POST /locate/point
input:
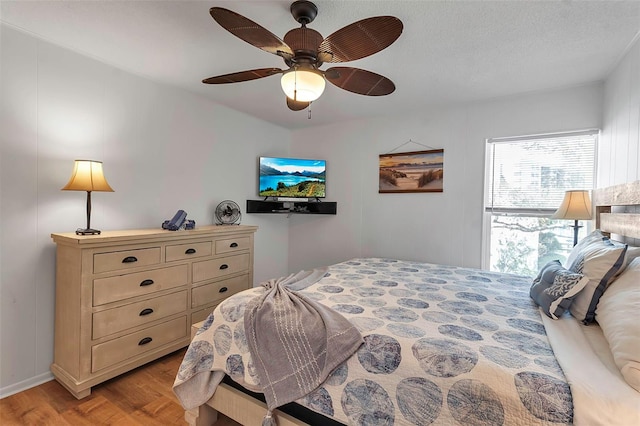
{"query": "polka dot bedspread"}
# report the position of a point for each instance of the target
(443, 345)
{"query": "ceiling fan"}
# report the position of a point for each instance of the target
(304, 50)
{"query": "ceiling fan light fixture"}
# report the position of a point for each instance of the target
(303, 85)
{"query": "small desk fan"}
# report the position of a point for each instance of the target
(228, 213)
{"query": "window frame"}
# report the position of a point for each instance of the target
(488, 213)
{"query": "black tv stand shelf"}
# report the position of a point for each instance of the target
(289, 207)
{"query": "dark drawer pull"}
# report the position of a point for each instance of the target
(223, 289)
(129, 259)
(233, 245)
(190, 251)
(224, 266)
(146, 311)
(146, 283)
(145, 341)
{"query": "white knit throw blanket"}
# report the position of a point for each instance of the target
(295, 342)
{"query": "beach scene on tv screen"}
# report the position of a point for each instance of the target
(292, 177)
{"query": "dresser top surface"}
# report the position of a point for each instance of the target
(70, 238)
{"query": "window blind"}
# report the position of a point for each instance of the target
(529, 175)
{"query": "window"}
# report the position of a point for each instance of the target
(526, 178)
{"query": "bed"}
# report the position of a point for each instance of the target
(450, 345)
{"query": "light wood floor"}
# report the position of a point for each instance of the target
(140, 397)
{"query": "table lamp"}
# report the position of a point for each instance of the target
(87, 176)
(576, 206)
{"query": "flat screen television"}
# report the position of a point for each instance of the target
(292, 177)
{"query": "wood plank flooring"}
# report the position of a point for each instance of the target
(140, 397)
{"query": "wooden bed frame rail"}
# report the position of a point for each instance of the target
(236, 405)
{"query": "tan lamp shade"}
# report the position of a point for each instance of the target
(87, 175)
(576, 206)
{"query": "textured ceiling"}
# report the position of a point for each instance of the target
(449, 51)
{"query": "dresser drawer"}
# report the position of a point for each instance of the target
(118, 319)
(118, 260)
(106, 290)
(215, 268)
(114, 351)
(187, 251)
(220, 290)
(201, 315)
(232, 244)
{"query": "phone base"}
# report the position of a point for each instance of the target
(89, 231)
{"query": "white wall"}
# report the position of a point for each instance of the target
(434, 227)
(163, 149)
(619, 152)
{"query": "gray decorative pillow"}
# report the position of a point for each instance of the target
(555, 287)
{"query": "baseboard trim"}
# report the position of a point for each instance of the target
(26, 384)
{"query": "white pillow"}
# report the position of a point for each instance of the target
(600, 261)
(618, 314)
(594, 237)
(632, 253)
(597, 237)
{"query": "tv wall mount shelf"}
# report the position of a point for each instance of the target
(292, 207)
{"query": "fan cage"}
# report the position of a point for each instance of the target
(228, 213)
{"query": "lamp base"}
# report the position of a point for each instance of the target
(88, 231)
(575, 227)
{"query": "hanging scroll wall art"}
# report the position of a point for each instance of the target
(417, 171)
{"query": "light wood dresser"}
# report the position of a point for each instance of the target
(124, 298)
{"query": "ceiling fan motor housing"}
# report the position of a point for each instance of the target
(304, 42)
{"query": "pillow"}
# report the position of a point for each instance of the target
(600, 261)
(631, 253)
(598, 237)
(595, 237)
(618, 315)
(555, 287)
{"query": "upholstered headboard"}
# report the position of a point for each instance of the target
(617, 210)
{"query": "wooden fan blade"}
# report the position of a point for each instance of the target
(251, 32)
(360, 39)
(360, 81)
(296, 105)
(237, 77)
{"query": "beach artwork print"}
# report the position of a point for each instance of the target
(418, 171)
